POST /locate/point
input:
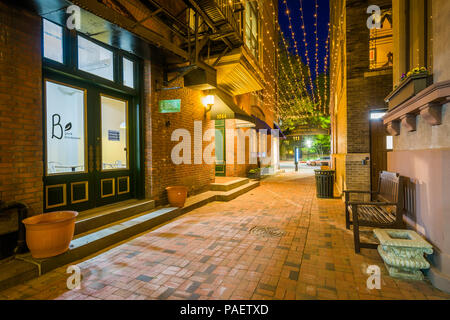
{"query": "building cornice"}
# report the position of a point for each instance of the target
(427, 103)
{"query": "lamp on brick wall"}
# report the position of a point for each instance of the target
(208, 102)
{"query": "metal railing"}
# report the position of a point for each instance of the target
(228, 10)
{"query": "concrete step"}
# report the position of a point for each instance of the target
(97, 217)
(229, 185)
(13, 272)
(234, 193)
(97, 239)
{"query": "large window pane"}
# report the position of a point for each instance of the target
(380, 43)
(95, 59)
(220, 145)
(128, 73)
(53, 41)
(251, 29)
(114, 133)
(65, 128)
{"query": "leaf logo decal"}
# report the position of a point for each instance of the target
(68, 126)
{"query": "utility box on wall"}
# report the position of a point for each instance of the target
(201, 79)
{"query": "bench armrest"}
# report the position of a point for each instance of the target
(372, 203)
(348, 192)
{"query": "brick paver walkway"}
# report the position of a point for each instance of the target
(220, 251)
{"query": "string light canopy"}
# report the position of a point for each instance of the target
(288, 91)
(319, 95)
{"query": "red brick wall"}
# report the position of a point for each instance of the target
(21, 165)
(160, 171)
(233, 168)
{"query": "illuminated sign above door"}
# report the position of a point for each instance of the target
(169, 106)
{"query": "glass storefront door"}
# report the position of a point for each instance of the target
(220, 167)
(88, 153)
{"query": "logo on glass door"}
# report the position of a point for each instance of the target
(57, 128)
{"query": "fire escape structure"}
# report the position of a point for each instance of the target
(201, 40)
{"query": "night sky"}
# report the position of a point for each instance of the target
(323, 17)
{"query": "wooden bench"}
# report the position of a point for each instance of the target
(384, 211)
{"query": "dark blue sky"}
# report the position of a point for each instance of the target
(323, 17)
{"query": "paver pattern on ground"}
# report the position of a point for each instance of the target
(298, 249)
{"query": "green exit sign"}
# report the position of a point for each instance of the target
(169, 106)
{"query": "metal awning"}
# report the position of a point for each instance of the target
(261, 125)
(280, 134)
(225, 108)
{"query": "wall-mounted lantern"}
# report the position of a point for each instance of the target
(208, 102)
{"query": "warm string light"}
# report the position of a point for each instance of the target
(283, 93)
(268, 83)
(294, 74)
(336, 38)
(325, 70)
(305, 42)
(280, 98)
(303, 86)
(316, 6)
(297, 54)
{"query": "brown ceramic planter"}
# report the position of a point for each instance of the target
(177, 195)
(49, 234)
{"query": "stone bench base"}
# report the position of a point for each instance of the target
(402, 252)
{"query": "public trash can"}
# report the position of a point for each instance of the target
(324, 183)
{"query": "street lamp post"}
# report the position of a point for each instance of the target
(296, 157)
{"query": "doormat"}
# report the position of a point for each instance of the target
(267, 232)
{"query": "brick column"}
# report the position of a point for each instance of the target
(21, 129)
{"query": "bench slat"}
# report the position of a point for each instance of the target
(374, 214)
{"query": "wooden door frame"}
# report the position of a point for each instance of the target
(69, 71)
(135, 145)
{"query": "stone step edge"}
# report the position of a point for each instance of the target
(234, 193)
(228, 186)
(91, 222)
(23, 272)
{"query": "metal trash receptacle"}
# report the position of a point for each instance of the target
(324, 183)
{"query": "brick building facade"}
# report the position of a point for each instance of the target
(156, 46)
(357, 89)
(160, 171)
(21, 142)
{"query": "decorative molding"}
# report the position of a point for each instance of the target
(437, 94)
(393, 128)
(432, 113)
(409, 122)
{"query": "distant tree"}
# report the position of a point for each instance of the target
(321, 144)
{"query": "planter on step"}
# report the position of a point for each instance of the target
(49, 234)
(177, 195)
(254, 175)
